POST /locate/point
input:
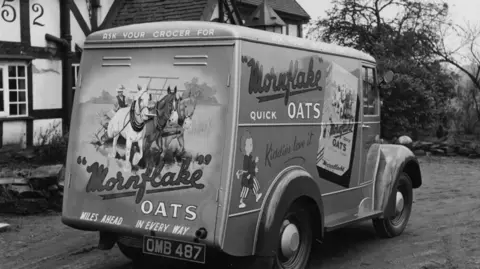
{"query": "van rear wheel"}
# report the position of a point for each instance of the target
(132, 253)
(395, 225)
(296, 239)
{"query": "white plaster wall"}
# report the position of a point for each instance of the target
(214, 14)
(10, 21)
(47, 84)
(44, 18)
(293, 29)
(105, 6)
(15, 133)
(46, 129)
(78, 37)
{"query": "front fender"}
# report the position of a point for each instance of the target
(292, 183)
(393, 160)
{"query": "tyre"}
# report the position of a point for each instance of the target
(132, 253)
(394, 226)
(296, 238)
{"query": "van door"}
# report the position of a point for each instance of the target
(146, 147)
(370, 118)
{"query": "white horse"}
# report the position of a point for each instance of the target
(129, 122)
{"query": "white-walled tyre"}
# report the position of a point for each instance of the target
(296, 238)
(395, 225)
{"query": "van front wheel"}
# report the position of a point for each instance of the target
(296, 239)
(395, 225)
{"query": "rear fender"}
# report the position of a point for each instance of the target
(291, 184)
(393, 160)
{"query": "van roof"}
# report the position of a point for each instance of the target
(202, 30)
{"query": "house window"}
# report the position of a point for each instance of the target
(274, 29)
(75, 69)
(370, 92)
(292, 29)
(13, 90)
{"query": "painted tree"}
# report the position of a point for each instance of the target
(395, 33)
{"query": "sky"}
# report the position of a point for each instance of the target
(461, 11)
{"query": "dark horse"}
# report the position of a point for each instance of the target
(175, 129)
(163, 112)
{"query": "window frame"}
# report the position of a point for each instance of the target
(6, 89)
(76, 74)
(374, 85)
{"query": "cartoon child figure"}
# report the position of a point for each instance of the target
(248, 173)
(121, 102)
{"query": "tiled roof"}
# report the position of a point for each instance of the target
(140, 11)
(286, 6)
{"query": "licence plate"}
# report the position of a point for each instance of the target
(180, 250)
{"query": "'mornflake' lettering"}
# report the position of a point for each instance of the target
(137, 185)
(339, 130)
(334, 166)
(291, 82)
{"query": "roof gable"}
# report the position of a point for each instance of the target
(141, 11)
(285, 6)
(264, 15)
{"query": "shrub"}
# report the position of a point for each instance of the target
(51, 145)
(463, 111)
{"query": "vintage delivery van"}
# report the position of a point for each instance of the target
(194, 138)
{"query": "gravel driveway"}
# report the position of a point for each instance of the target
(444, 232)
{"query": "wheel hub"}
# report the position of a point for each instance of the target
(290, 240)
(400, 204)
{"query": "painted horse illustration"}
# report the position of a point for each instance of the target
(129, 122)
(164, 111)
(176, 126)
(339, 101)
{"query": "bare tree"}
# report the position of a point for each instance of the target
(465, 57)
(365, 25)
(394, 32)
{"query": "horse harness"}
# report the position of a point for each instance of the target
(163, 116)
(181, 121)
(136, 126)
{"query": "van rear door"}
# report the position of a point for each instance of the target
(171, 192)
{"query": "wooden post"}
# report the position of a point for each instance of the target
(67, 98)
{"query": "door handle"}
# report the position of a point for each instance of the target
(365, 126)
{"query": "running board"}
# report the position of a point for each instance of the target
(341, 224)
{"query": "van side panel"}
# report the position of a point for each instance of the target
(168, 189)
(297, 108)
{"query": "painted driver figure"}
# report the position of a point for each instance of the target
(121, 102)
